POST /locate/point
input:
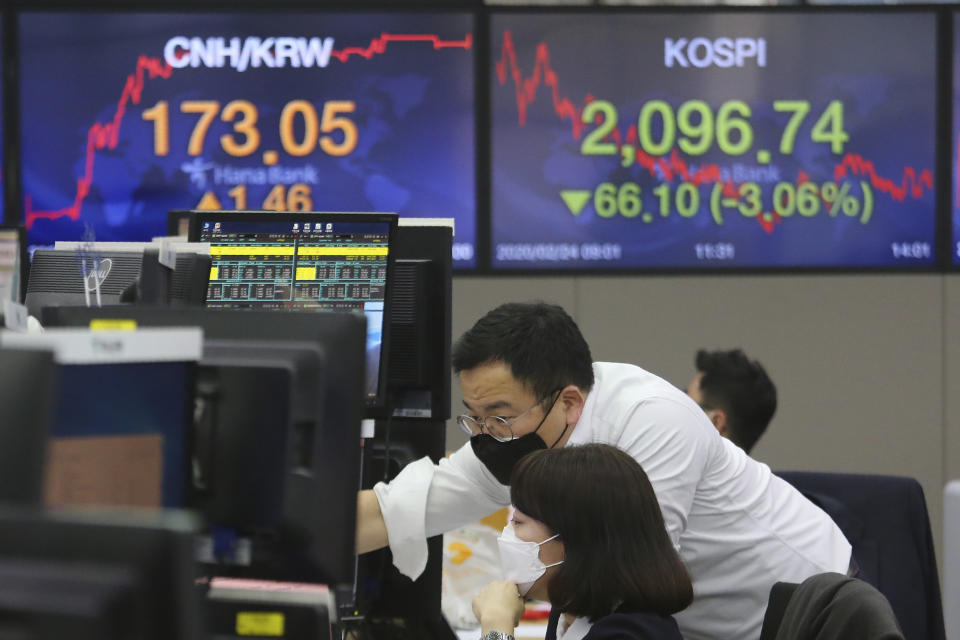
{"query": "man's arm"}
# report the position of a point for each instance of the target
(422, 501)
(371, 529)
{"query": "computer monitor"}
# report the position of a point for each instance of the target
(337, 444)
(419, 388)
(306, 262)
(420, 319)
(27, 392)
(13, 263)
(122, 415)
(96, 276)
(97, 577)
(260, 407)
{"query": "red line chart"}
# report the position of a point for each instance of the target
(103, 136)
(379, 45)
(527, 87)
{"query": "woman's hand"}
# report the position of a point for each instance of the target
(498, 607)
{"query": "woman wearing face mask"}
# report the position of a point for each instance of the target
(588, 536)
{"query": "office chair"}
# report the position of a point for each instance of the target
(885, 519)
(951, 557)
(828, 606)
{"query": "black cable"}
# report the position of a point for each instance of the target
(386, 442)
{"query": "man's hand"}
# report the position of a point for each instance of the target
(371, 530)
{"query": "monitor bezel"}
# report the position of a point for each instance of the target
(374, 406)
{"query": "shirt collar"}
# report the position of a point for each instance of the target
(576, 631)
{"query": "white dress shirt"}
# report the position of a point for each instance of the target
(738, 527)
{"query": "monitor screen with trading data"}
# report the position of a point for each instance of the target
(304, 262)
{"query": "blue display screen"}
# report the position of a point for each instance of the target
(955, 143)
(2, 172)
(713, 140)
(126, 116)
(132, 399)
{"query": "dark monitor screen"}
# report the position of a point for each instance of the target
(713, 139)
(305, 262)
(126, 115)
(98, 576)
(27, 391)
(260, 411)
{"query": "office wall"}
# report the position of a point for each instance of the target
(951, 382)
(866, 365)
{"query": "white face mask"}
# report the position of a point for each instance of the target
(520, 560)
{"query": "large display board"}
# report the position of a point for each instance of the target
(955, 145)
(3, 173)
(713, 140)
(125, 116)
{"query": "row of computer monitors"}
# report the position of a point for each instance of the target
(396, 276)
(250, 420)
(557, 140)
(248, 412)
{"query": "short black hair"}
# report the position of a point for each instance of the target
(742, 389)
(600, 503)
(540, 343)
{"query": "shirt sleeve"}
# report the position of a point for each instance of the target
(425, 500)
(671, 443)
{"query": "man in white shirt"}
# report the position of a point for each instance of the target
(529, 382)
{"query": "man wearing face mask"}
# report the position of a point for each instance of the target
(529, 383)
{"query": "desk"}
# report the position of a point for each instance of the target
(261, 608)
(526, 631)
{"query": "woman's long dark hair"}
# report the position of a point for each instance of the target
(600, 502)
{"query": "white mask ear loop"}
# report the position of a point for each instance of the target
(547, 566)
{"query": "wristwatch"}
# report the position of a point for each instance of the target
(496, 635)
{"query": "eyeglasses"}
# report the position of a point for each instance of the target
(498, 427)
